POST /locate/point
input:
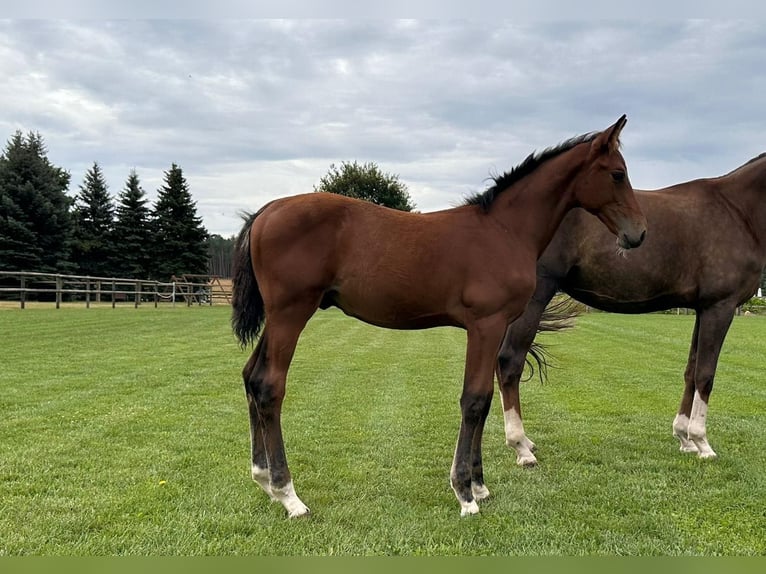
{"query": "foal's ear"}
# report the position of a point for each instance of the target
(609, 139)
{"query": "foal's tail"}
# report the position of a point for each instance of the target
(559, 315)
(248, 312)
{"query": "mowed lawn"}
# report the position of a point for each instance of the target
(125, 431)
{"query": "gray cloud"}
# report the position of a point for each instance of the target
(256, 109)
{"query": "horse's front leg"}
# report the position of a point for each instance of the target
(714, 323)
(681, 420)
(466, 475)
(510, 366)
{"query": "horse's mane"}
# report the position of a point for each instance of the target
(755, 159)
(484, 199)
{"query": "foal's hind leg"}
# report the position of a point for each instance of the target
(259, 462)
(268, 391)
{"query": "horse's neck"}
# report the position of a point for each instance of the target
(537, 204)
(746, 192)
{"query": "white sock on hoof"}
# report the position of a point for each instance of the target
(290, 500)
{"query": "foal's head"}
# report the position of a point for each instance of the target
(603, 188)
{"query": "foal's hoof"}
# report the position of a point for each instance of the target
(527, 461)
(708, 455)
(468, 508)
(299, 512)
(479, 491)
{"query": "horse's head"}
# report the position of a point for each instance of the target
(603, 188)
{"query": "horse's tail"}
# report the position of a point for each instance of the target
(558, 316)
(248, 312)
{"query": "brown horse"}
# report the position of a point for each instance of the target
(706, 252)
(472, 267)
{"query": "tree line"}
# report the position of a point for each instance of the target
(44, 229)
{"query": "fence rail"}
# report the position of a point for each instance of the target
(23, 286)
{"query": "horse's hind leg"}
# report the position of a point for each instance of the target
(259, 462)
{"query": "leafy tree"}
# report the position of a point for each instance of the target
(366, 182)
(35, 223)
(180, 245)
(93, 248)
(132, 231)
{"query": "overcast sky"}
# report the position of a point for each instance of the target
(257, 109)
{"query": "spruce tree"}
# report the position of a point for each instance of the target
(180, 238)
(35, 223)
(93, 249)
(132, 232)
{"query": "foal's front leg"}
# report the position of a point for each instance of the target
(478, 488)
(466, 476)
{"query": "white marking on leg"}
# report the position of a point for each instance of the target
(263, 477)
(286, 495)
(681, 432)
(479, 491)
(697, 427)
(516, 439)
(468, 508)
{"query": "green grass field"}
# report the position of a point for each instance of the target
(125, 432)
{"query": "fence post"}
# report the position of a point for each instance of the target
(138, 293)
(114, 297)
(156, 293)
(87, 293)
(58, 291)
(23, 294)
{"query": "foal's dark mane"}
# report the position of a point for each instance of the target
(484, 199)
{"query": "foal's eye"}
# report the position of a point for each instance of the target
(618, 176)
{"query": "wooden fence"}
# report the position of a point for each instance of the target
(58, 288)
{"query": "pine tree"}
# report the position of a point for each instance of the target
(180, 238)
(132, 232)
(93, 248)
(35, 223)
